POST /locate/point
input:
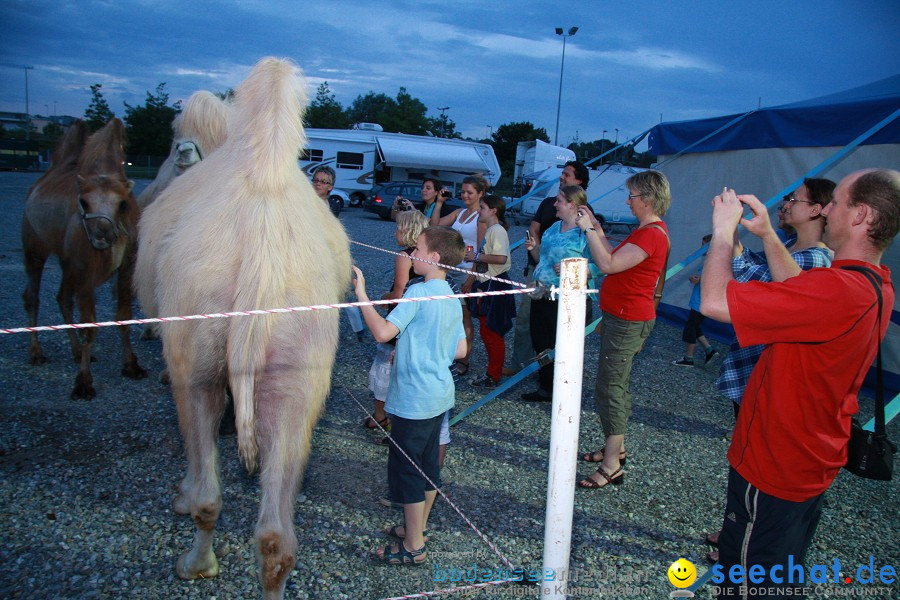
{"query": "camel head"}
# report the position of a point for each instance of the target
(106, 207)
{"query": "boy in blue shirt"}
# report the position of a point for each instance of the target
(430, 337)
(692, 332)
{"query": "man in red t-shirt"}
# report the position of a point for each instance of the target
(822, 330)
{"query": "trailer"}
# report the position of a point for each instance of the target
(606, 194)
(534, 157)
(365, 157)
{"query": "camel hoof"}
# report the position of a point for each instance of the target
(133, 371)
(149, 333)
(164, 377)
(83, 391)
(205, 567)
(40, 359)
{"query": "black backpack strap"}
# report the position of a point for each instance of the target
(876, 282)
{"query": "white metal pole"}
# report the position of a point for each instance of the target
(565, 419)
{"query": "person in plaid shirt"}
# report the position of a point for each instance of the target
(802, 211)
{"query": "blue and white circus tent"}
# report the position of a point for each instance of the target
(766, 152)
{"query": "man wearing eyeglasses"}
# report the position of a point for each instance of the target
(792, 431)
(323, 183)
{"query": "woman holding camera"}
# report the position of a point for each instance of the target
(465, 221)
(561, 240)
(431, 191)
(632, 269)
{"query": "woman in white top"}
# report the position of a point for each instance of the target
(465, 221)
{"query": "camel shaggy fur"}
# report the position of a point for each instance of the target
(243, 229)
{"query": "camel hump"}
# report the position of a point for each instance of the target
(104, 151)
(274, 92)
(70, 145)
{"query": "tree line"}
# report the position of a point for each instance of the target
(149, 126)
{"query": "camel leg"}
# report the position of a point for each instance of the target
(34, 268)
(130, 367)
(84, 381)
(199, 411)
(285, 418)
(65, 298)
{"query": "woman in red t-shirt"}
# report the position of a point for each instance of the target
(632, 270)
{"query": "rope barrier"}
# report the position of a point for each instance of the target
(248, 313)
(443, 266)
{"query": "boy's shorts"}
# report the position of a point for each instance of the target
(419, 439)
(444, 437)
(692, 330)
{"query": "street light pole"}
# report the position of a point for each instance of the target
(603, 142)
(616, 152)
(562, 66)
(443, 118)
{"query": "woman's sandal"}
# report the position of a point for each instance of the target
(597, 457)
(462, 367)
(392, 531)
(370, 423)
(713, 538)
(617, 477)
(402, 556)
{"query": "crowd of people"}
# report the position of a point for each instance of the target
(785, 367)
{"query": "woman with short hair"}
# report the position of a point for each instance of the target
(627, 301)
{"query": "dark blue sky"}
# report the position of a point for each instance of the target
(490, 62)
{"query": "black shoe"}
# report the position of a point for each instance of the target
(711, 356)
(486, 382)
(684, 362)
(536, 397)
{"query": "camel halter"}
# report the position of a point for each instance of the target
(86, 216)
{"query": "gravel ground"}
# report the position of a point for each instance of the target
(86, 487)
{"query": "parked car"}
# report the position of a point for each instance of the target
(381, 198)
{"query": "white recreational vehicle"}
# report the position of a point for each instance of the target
(606, 193)
(365, 156)
(534, 157)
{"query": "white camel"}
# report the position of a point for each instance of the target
(243, 229)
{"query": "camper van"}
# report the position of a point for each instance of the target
(366, 156)
(606, 193)
(534, 157)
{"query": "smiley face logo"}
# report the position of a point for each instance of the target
(682, 573)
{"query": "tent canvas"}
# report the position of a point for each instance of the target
(762, 154)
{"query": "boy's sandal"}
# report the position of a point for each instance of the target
(402, 556)
(462, 368)
(713, 538)
(597, 457)
(370, 423)
(617, 477)
(392, 531)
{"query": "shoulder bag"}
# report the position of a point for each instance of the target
(871, 454)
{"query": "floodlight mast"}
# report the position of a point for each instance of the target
(559, 31)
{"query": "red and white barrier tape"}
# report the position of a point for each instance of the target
(446, 267)
(247, 313)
